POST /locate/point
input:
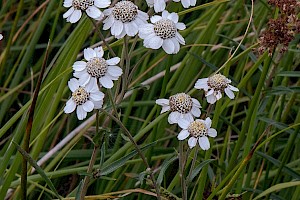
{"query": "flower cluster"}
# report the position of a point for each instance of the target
(125, 18)
(183, 108)
(93, 73)
(281, 31)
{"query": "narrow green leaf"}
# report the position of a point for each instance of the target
(197, 170)
(285, 169)
(278, 187)
(164, 167)
(77, 197)
(289, 73)
(37, 167)
(120, 162)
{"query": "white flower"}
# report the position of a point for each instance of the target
(1, 36)
(182, 106)
(124, 18)
(97, 67)
(214, 86)
(160, 5)
(198, 130)
(91, 7)
(84, 98)
(187, 3)
(163, 33)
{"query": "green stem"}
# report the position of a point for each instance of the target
(181, 171)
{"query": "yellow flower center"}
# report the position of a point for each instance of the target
(181, 102)
(125, 11)
(197, 129)
(218, 82)
(80, 96)
(97, 67)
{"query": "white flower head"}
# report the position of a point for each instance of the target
(187, 3)
(199, 130)
(163, 33)
(124, 18)
(91, 7)
(1, 36)
(214, 86)
(160, 5)
(182, 106)
(97, 67)
(84, 98)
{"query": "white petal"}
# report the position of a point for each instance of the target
(180, 39)
(207, 122)
(196, 103)
(155, 18)
(180, 26)
(193, 2)
(233, 88)
(173, 117)
(73, 84)
(113, 61)
(211, 99)
(176, 44)
(196, 111)
(81, 113)
(78, 74)
(162, 102)
(212, 132)
(75, 16)
(183, 135)
(108, 22)
(67, 3)
(168, 46)
(88, 106)
(102, 3)
(202, 84)
(173, 16)
(165, 109)
(184, 124)
(107, 11)
(89, 54)
(210, 92)
(117, 28)
(150, 3)
(106, 82)
(218, 95)
(99, 52)
(204, 143)
(70, 106)
(98, 104)
(229, 93)
(91, 85)
(165, 14)
(79, 65)
(115, 71)
(185, 3)
(155, 42)
(131, 28)
(142, 15)
(93, 12)
(84, 79)
(146, 30)
(68, 13)
(192, 142)
(159, 5)
(122, 34)
(97, 96)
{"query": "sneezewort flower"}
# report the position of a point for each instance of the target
(85, 99)
(97, 67)
(214, 86)
(199, 130)
(160, 5)
(124, 18)
(163, 33)
(182, 106)
(91, 7)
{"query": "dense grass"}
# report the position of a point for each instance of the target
(256, 152)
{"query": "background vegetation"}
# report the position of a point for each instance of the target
(256, 152)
